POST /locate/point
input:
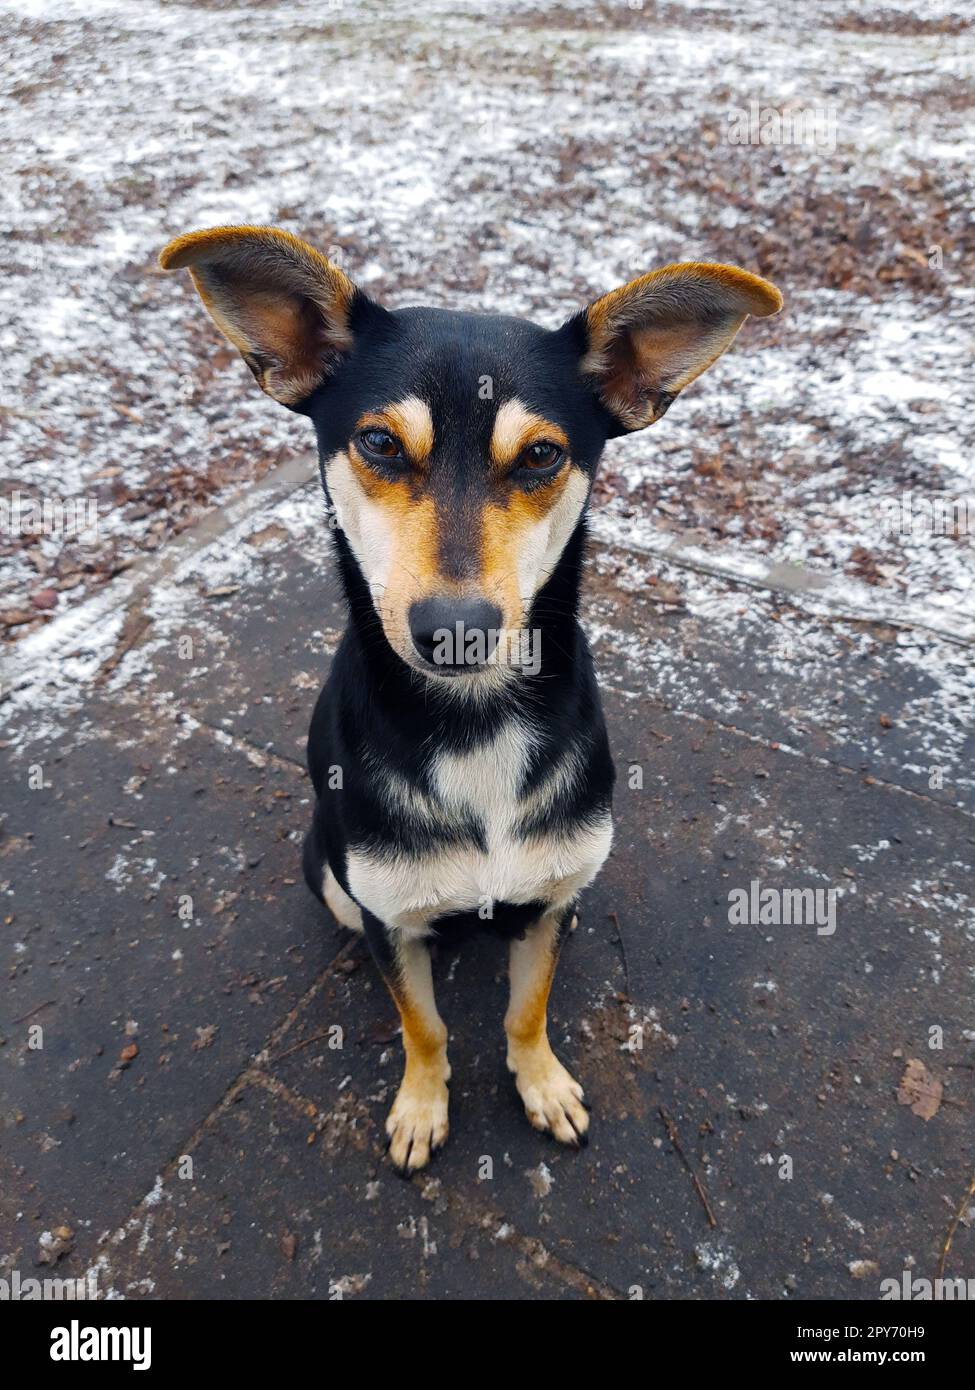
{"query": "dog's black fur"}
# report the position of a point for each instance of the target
(370, 704)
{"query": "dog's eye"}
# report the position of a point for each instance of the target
(541, 457)
(381, 445)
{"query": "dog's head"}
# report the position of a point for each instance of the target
(458, 450)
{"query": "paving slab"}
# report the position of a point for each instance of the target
(157, 930)
(890, 702)
(287, 1201)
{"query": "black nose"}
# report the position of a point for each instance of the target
(455, 634)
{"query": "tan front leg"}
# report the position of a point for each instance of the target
(417, 1123)
(553, 1098)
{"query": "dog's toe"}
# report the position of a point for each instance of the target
(417, 1123)
(552, 1097)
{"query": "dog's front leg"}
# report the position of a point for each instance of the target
(553, 1098)
(417, 1123)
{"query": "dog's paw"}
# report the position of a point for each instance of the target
(417, 1123)
(553, 1098)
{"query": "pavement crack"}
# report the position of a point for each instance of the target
(807, 590)
(263, 1056)
(252, 1074)
(817, 759)
(258, 757)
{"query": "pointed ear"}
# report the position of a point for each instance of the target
(284, 307)
(649, 339)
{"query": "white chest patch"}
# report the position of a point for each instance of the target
(408, 891)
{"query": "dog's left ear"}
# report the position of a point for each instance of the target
(283, 305)
(646, 341)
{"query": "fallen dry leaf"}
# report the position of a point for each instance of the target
(267, 535)
(53, 1246)
(204, 1037)
(920, 1090)
(666, 593)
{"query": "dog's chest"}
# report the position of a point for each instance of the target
(485, 785)
(485, 788)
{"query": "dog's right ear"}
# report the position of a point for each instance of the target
(283, 305)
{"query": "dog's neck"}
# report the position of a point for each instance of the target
(396, 689)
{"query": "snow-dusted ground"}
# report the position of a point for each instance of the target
(506, 155)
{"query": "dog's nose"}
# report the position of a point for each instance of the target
(455, 634)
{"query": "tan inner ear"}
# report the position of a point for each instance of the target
(280, 338)
(646, 368)
(651, 338)
(284, 306)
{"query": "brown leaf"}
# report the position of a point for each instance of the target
(268, 535)
(54, 1246)
(204, 1037)
(289, 1244)
(709, 467)
(665, 593)
(382, 1031)
(920, 1090)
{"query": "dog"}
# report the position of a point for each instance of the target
(458, 749)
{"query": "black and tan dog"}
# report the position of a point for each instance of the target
(458, 749)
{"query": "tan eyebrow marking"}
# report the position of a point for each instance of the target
(410, 420)
(515, 427)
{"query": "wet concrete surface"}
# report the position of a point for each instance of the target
(152, 900)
